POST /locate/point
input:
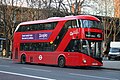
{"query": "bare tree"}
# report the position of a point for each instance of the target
(72, 6)
(3, 18)
(57, 7)
(8, 18)
(99, 7)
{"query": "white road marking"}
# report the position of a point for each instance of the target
(36, 69)
(97, 77)
(25, 75)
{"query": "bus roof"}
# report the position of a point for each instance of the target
(55, 19)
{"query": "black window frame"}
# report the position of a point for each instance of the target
(39, 46)
(36, 27)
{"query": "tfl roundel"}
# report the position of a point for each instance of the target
(40, 57)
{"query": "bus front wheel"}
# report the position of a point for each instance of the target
(61, 62)
(23, 59)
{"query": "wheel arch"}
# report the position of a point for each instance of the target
(23, 54)
(61, 55)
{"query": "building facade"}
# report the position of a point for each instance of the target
(117, 8)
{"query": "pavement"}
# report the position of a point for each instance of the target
(113, 65)
(110, 65)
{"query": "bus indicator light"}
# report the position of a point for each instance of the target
(84, 61)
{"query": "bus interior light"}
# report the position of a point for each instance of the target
(51, 42)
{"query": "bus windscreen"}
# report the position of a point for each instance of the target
(91, 24)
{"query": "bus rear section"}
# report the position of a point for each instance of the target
(70, 41)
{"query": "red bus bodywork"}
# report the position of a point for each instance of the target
(51, 57)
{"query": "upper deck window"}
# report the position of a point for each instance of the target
(35, 27)
(72, 24)
(91, 24)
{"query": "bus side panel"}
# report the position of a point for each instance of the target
(35, 57)
(51, 57)
(78, 59)
(72, 59)
(41, 57)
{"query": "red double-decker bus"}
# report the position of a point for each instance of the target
(62, 41)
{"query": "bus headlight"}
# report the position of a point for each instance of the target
(84, 61)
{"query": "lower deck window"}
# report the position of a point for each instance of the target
(46, 46)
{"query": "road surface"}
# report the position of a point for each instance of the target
(10, 70)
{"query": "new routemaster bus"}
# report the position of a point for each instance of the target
(62, 41)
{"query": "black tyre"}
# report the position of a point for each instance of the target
(23, 59)
(109, 58)
(61, 62)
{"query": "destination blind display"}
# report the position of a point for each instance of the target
(93, 35)
(36, 36)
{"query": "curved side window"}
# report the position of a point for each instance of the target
(35, 27)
